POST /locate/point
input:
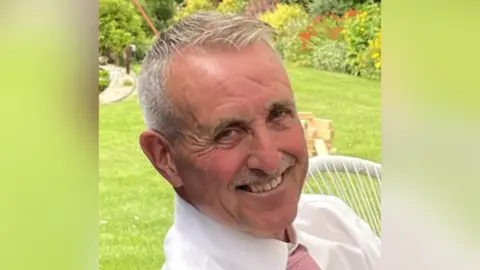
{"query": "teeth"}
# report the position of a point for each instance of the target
(275, 182)
(266, 187)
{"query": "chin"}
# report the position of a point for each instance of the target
(274, 229)
(276, 222)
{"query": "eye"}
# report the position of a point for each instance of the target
(279, 114)
(228, 135)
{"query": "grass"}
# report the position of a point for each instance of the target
(136, 68)
(136, 204)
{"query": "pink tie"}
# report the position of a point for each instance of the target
(300, 259)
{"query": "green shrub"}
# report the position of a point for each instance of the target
(103, 79)
(159, 12)
(309, 38)
(323, 7)
(359, 31)
(282, 16)
(102, 85)
(330, 55)
(373, 59)
(103, 74)
(127, 83)
(290, 45)
(119, 25)
(231, 6)
(303, 3)
(337, 7)
(192, 7)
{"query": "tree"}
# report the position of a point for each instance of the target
(159, 12)
(120, 25)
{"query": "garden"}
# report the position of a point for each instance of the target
(332, 54)
(337, 36)
(342, 36)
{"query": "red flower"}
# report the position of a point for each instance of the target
(317, 19)
(305, 36)
(333, 33)
(351, 13)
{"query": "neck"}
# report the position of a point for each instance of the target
(285, 236)
(183, 195)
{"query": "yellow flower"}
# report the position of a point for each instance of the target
(378, 65)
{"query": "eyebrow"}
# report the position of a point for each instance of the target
(281, 104)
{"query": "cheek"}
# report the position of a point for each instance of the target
(221, 165)
(292, 141)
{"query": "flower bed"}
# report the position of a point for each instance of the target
(347, 43)
(350, 43)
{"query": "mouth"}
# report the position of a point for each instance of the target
(262, 188)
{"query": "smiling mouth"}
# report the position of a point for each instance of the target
(273, 184)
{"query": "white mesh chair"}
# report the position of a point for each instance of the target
(354, 180)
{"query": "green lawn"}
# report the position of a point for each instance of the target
(136, 67)
(136, 205)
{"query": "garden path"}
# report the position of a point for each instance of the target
(117, 91)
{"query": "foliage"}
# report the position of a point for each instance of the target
(102, 73)
(300, 44)
(127, 83)
(231, 6)
(358, 31)
(102, 85)
(375, 49)
(282, 16)
(322, 7)
(291, 46)
(337, 7)
(326, 27)
(192, 7)
(303, 3)
(373, 58)
(257, 7)
(330, 55)
(350, 43)
(103, 80)
(119, 25)
(159, 12)
(143, 47)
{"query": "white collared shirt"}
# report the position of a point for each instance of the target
(335, 236)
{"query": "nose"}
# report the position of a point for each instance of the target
(264, 155)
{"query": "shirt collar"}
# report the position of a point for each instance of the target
(292, 236)
(227, 247)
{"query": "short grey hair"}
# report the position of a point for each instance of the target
(200, 29)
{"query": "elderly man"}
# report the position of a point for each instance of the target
(223, 130)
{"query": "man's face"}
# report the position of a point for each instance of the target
(242, 156)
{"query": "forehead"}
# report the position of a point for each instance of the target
(207, 81)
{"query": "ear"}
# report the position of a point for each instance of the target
(157, 149)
